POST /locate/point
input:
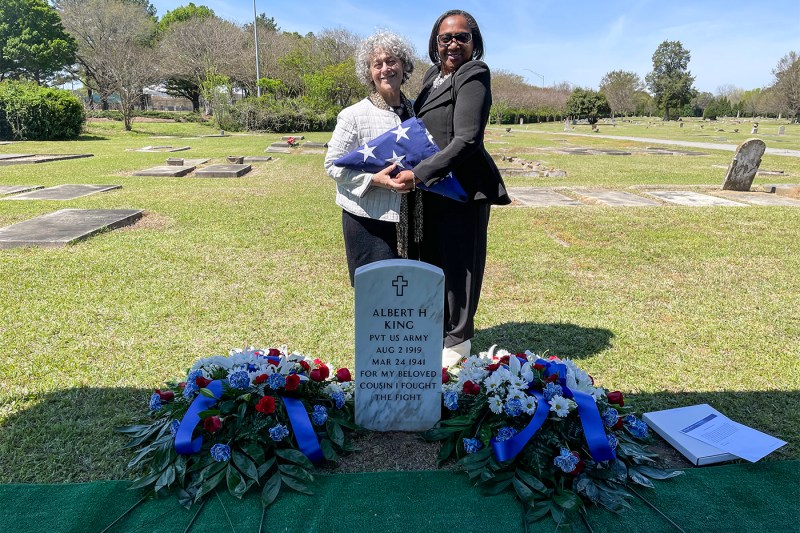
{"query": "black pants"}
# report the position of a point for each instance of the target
(454, 239)
(367, 240)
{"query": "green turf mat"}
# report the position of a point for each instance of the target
(723, 498)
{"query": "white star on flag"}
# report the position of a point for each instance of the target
(368, 152)
(396, 159)
(400, 132)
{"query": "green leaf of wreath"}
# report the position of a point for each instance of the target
(295, 456)
(271, 490)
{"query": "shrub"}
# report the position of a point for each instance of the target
(31, 112)
(282, 115)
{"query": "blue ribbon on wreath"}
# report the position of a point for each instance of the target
(295, 410)
(588, 413)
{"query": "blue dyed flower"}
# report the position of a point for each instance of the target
(239, 380)
(610, 417)
(451, 400)
(472, 445)
(566, 460)
(320, 415)
(552, 389)
(190, 389)
(278, 433)
(613, 442)
(155, 402)
(173, 428)
(505, 433)
(221, 452)
(638, 428)
(339, 398)
(251, 367)
(513, 407)
(276, 381)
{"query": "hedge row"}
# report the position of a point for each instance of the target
(254, 114)
(31, 112)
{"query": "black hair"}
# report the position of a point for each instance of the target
(477, 39)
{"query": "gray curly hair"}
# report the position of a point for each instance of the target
(385, 41)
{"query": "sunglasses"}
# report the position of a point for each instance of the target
(447, 38)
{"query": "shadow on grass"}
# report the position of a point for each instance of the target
(68, 435)
(91, 138)
(564, 340)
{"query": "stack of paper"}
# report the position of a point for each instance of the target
(706, 436)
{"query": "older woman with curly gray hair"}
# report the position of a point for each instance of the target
(370, 202)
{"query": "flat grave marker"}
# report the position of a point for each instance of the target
(759, 198)
(538, 197)
(166, 171)
(15, 189)
(65, 226)
(295, 137)
(276, 150)
(163, 149)
(744, 165)
(30, 159)
(223, 171)
(616, 198)
(63, 192)
(257, 158)
(693, 199)
(399, 316)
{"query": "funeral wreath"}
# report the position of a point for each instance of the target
(258, 418)
(540, 427)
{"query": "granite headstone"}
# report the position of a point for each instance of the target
(744, 166)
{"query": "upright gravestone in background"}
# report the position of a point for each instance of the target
(744, 166)
(398, 325)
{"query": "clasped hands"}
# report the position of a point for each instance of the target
(403, 182)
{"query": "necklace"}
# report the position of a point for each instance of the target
(438, 80)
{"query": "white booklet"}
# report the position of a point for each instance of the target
(706, 436)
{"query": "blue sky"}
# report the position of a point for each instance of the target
(731, 42)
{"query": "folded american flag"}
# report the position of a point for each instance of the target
(407, 145)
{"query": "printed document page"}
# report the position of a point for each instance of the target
(732, 437)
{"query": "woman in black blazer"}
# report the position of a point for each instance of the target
(454, 105)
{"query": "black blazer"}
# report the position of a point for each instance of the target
(456, 114)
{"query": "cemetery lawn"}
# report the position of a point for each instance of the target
(671, 305)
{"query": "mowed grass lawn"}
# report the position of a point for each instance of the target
(671, 305)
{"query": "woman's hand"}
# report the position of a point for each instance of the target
(383, 179)
(408, 179)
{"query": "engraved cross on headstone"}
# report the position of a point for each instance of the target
(400, 283)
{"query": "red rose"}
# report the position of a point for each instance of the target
(202, 382)
(182, 385)
(445, 376)
(554, 358)
(266, 405)
(292, 381)
(504, 360)
(261, 378)
(616, 398)
(619, 424)
(471, 388)
(316, 375)
(306, 366)
(343, 375)
(212, 424)
(538, 366)
(273, 352)
(493, 367)
(552, 378)
(318, 361)
(324, 371)
(166, 395)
